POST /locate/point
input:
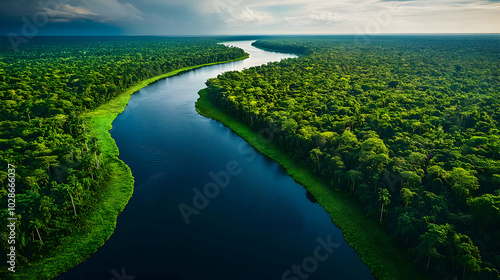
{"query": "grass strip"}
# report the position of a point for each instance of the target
(82, 243)
(386, 260)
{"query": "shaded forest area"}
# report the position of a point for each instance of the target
(44, 88)
(409, 125)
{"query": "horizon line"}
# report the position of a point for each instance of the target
(254, 35)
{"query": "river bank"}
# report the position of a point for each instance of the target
(385, 260)
(99, 227)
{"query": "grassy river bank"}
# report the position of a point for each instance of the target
(100, 225)
(367, 237)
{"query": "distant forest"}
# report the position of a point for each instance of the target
(410, 126)
(44, 89)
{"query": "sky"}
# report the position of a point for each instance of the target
(246, 17)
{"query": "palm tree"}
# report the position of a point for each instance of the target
(36, 224)
(48, 161)
(67, 188)
(385, 198)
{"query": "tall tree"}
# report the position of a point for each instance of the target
(353, 176)
(466, 253)
(384, 198)
(463, 182)
(431, 240)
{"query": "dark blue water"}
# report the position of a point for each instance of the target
(258, 226)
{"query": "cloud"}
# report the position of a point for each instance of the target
(112, 10)
(233, 15)
(392, 16)
(67, 13)
(76, 10)
(200, 17)
(324, 17)
(96, 10)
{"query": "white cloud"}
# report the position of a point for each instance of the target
(67, 13)
(376, 16)
(194, 17)
(324, 17)
(244, 15)
(76, 10)
(332, 17)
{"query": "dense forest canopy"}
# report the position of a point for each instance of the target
(44, 88)
(407, 124)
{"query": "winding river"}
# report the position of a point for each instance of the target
(261, 225)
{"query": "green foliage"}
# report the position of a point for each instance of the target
(386, 261)
(416, 115)
(70, 185)
(486, 209)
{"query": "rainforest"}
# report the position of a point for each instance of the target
(408, 125)
(396, 137)
(62, 174)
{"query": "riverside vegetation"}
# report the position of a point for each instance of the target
(58, 98)
(406, 127)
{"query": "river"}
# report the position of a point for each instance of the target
(261, 225)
